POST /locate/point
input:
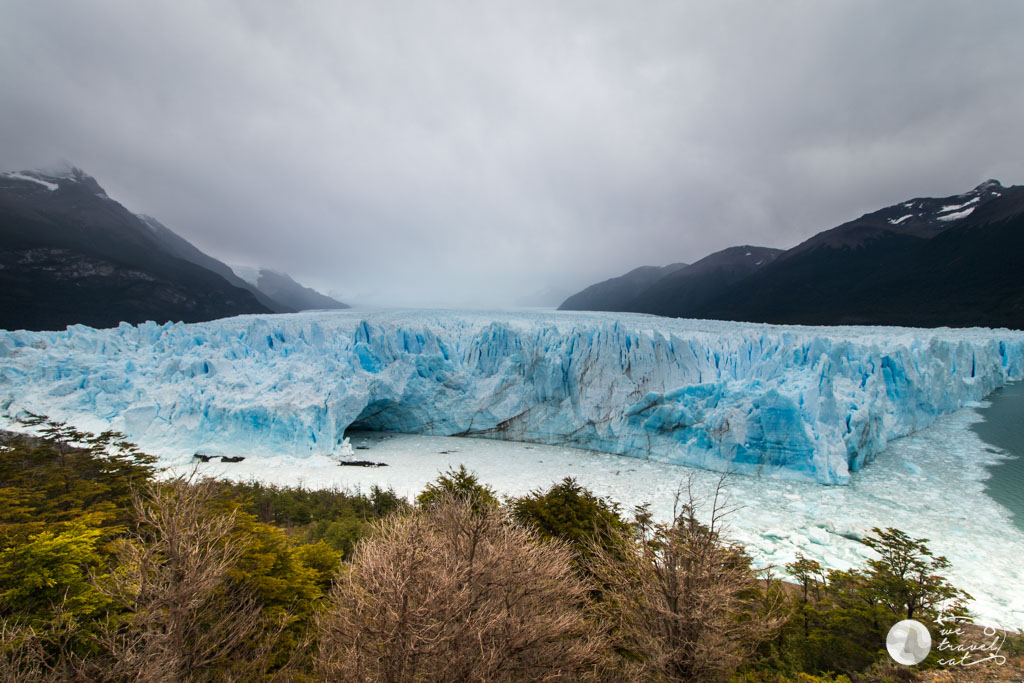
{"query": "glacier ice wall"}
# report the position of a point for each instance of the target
(795, 402)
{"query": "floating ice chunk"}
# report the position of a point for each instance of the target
(818, 535)
(344, 449)
(911, 467)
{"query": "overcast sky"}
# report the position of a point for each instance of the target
(477, 152)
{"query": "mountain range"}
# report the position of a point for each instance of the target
(926, 262)
(69, 254)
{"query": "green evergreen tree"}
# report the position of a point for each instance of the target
(844, 616)
(570, 512)
(50, 572)
(460, 484)
(65, 472)
(908, 579)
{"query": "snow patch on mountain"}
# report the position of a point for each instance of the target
(32, 179)
(956, 216)
(150, 222)
(957, 207)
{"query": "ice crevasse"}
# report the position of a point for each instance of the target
(785, 401)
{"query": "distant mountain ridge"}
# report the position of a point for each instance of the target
(951, 261)
(699, 283)
(69, 254)
(283, 290)
(617, 293)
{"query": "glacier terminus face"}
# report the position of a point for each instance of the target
(784, 401)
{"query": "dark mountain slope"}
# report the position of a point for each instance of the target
(182, 248)
(70, 254)
(282, 288)
(948, 267)
(686, 291)
(921, 217)
(617, 293)
(924, 262)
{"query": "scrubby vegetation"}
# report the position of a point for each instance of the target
(456, 593)
(108, 573)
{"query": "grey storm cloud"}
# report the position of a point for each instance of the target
(474, 153)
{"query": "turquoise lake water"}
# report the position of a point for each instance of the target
(1003, 428)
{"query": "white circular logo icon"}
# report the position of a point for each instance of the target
(908, 642)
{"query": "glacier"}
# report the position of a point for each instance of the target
(791, 402)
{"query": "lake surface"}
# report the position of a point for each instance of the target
(1003, 427)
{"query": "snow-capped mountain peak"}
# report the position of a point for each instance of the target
(53, 178)
(921, 217)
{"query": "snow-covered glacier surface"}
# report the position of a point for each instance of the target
(791, 402)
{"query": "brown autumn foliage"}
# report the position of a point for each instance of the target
(685, 605)
(453, 593)
(22, 658)
(180, 616)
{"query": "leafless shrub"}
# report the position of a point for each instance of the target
(21, 654)
(685, 605)
(446, 593)
(185, 620)
(41, 653)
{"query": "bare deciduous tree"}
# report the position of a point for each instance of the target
(446, 593)
(22, 658)
(45, 652)
(685, 605)
(185, 621)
